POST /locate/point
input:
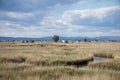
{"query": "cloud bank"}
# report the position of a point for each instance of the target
(39, 18)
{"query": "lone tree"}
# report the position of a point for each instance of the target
(85, 40)
(55, 38)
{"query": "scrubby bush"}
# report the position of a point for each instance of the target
(66, 41)
(13, 40)
(32, 41)
(23, 41)
(27, 41)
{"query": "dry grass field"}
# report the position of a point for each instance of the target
(59, 61)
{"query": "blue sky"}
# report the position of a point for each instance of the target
(40, 18)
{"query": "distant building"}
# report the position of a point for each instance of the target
(64, 41)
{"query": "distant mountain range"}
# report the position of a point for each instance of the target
(61, 38)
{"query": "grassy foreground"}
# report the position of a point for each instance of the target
(48, 61)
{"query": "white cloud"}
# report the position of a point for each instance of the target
(51, 23)
(115, 31)
(66, 26)
(80, 2)
(19, 30)
(105, 16)
(19, 15)
(16, 15)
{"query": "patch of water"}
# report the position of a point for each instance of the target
(95, 59)
(100, 59)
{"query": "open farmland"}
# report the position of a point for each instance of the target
(59, 61)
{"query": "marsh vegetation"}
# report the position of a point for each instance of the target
(59, 61)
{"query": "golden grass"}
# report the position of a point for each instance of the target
(31, 61)
(112, 65)
(104, 55)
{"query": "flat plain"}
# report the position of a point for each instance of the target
(59, 61)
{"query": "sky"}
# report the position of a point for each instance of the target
(70, 18)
